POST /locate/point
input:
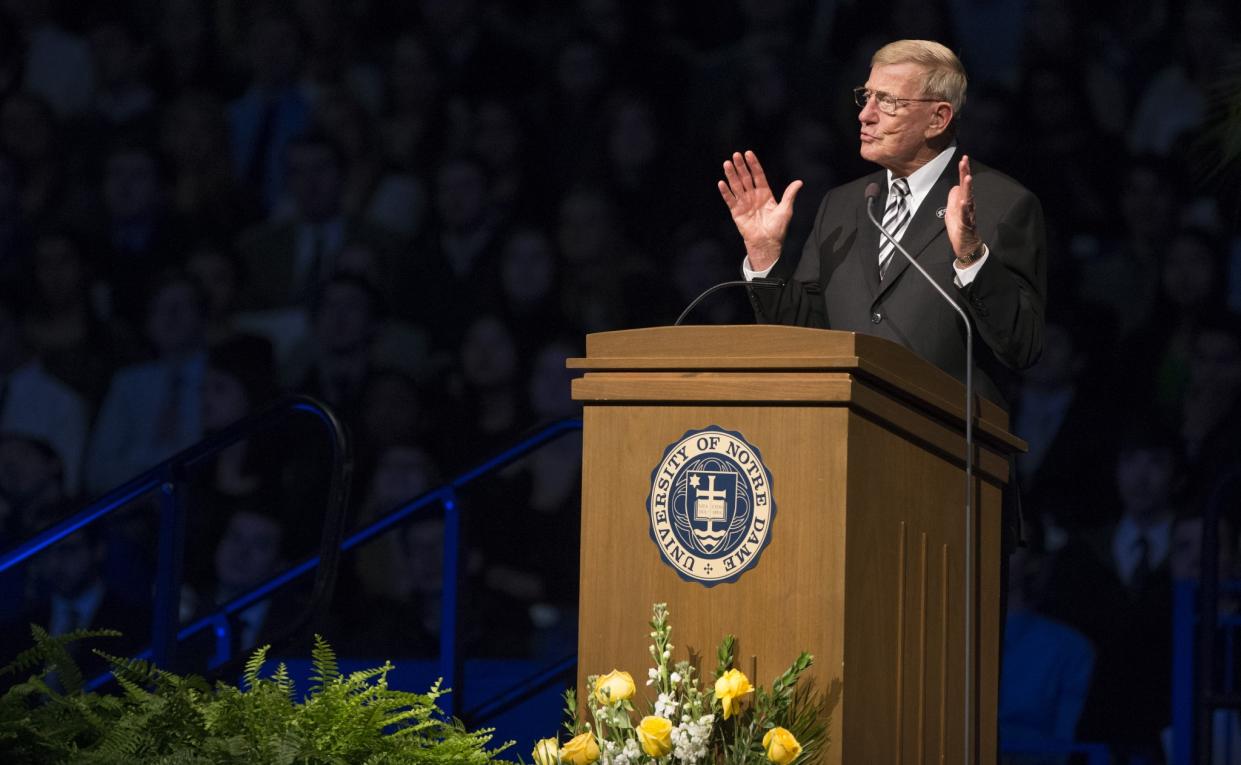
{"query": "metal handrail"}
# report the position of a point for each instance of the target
(169, 477)
(444, 495)
(1208, 698)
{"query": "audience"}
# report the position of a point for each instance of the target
(1047, 667)
(35, 403)
(153, 408)
(1113, 584)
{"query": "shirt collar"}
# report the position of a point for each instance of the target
(1158, 538)
(922, 180)
(85, 604)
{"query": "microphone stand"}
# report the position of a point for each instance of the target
(716, 287)
(872, 191)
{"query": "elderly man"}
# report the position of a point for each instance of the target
(977, 232)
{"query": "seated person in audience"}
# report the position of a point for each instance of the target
(64, 325)
(400, 570)
(287, 261)
(1186, 565)
(154, 409)
(1114, 585)
(32, 497)
(1046, 670)
(32, 486)
(1067, 415)
(140, 236)
(1211, 410)
(36, 404)
(348, 314)
(250, 551)
(68, 593)
(240, 378)
(400, 576)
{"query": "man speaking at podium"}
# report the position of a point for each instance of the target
(978, 233)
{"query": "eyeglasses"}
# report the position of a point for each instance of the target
(888, 104)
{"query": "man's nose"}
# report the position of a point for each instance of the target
(869, 113)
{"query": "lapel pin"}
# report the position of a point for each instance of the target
(941, 212)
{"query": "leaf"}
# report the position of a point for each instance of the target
(254, 664)
(724, 655)
(323, 660)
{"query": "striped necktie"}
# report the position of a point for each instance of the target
(895, 220)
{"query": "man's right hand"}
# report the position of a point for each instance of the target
(760, 219)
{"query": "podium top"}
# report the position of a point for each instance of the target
(777, 348)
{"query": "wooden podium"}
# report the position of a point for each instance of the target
(865, 560)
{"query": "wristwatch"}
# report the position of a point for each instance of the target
(973, 257)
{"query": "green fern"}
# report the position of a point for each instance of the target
(323, 662)
(160, 718)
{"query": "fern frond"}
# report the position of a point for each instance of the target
(142, 673)
(40, 654)
(254, 665)
(323, 663)
(285, 683)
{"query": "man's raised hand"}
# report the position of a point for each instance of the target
(959, 215)
(761, 220)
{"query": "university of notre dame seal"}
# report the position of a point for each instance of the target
(710, 506)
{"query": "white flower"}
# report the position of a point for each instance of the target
(675, 678)
(690, 739)
(665, 706)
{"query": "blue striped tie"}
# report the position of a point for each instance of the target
(895, 220)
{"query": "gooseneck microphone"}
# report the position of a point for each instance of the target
(872, 193)
(761, 282)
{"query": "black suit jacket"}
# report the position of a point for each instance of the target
(835, 284)
(1130, 695)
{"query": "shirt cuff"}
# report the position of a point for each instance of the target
(963, 276)
(752, 275)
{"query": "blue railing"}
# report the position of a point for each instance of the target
(169, 478)
(1197, 727)
(444, 496)
(1206, 693)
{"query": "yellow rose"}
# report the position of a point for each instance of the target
(655, 735)
(729, 688)
(781, 747)
(580, 750)
(613, 687)
(547, 752)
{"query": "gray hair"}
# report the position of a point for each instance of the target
(945, 77)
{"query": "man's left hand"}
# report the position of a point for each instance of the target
(959, 216)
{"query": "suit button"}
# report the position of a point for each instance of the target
(876, 317)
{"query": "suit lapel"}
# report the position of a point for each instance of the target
(925, 227)
(868, 235)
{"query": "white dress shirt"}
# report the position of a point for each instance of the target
(1126, 550)
(39, 405)
(125, 441)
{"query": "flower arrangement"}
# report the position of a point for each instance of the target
(733, 723)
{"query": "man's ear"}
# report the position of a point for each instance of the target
(941, 118)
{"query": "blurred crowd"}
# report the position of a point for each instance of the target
(415, 211)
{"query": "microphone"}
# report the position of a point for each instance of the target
(762, 282)
(872, 193)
